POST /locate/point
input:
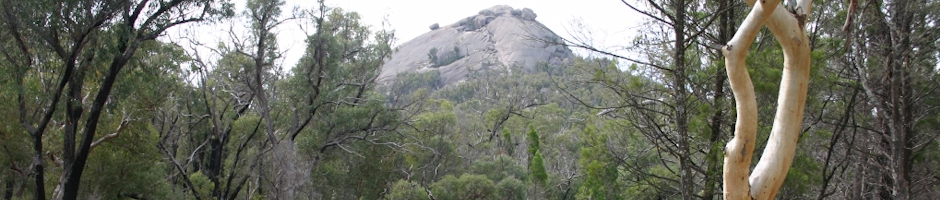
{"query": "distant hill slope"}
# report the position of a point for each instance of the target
(498, 37)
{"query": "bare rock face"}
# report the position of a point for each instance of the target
(528, 14)
(499, 37)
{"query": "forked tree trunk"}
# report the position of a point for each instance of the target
(768, 176)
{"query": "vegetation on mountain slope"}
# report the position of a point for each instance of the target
(95, 106)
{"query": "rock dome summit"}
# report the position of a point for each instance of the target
(499, 37)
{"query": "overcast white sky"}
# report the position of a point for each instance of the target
(411, 18)
(610, 22)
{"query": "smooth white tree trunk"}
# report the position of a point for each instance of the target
(771, 170)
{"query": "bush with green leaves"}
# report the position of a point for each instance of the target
(440, 58)
(407, 190)
(467, 186)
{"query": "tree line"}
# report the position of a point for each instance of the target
(98, 104)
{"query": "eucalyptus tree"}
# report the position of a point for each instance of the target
(288, 121)
(331, 108)
(767, 177)
(260, 49)
(83, 38)
(888, 73)
(673, 102)
(207, 132)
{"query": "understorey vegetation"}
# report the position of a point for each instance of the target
(98, 102)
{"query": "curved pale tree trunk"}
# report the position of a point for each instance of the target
(768, 175)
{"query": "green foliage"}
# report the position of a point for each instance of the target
(202, 183)
(440, 58)
(537, 168)
(600, 173)
(407, 190)
(467, 186)
(500, 168)
(15, 143)
(512, 188)
(333, 86)
(432, 55)
(130, 165)
(533, 138)
(407, 83)
(536, 162)
(369, 175)
(800, 178)
(766, 69)
(593, 186)
(510, 146)
(360, 139)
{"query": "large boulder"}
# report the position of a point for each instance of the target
(434, 26)
(499, 10)
(499, 37)
(528, 14)
(482, 20)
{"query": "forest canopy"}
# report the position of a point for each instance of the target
(98, 103)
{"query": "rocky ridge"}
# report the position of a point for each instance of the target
(497, 37)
